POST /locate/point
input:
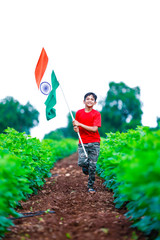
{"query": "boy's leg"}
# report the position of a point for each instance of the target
(82, 160)
(93, 153)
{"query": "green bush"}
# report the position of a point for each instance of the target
(130, 164)
(25, 163)
(13, 186)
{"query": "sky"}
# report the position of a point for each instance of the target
(89, 44)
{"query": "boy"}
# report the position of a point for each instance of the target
(87, 121)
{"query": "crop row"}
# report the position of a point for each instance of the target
(130, 164)
(25, 163)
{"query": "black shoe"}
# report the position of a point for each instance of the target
(85, 170)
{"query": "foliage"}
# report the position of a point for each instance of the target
(61, 133)
(13, 185)
(130, 164)
(121, 109)
(58, 134)
(25, 163)
(158, 125)
(71, 132)
(20, 117)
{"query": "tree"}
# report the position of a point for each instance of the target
(61, 133)
(20, 117)
(58, 134)
(121, 109)
(70, 131)
(158, 125)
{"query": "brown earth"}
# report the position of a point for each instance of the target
(78, 214)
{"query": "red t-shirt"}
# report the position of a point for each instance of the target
(92, 118)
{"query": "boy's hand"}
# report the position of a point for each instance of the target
(76, 129)
(88, 128)
(76, 123)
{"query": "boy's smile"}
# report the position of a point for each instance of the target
(89, 102)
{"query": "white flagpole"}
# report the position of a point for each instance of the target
(73, 120)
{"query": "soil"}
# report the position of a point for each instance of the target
(78, 214)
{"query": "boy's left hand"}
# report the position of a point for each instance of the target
(76, 129)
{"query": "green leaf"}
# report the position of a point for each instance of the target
(105, 230)
(68, 235)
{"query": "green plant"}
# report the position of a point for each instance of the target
(14, 185)
(130, 164)
(25, 163)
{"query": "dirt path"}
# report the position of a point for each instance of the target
(78, 214)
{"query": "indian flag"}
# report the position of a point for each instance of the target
(39, 72)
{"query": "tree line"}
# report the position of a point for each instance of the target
(14, 115)
(121, 110)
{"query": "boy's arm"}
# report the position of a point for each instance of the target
(88, 128)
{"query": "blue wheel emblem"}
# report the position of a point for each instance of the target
(45, 88)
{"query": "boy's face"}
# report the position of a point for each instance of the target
(89, 101)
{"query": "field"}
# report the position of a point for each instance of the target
(126, 204)
(78, 214)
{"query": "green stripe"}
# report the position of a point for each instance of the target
(51, 100)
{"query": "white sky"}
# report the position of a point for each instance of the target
(89, 43)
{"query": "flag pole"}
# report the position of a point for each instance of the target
(73, 120)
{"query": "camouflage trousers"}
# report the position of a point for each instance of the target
(92, 150)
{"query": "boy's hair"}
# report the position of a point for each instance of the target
(90, 93)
